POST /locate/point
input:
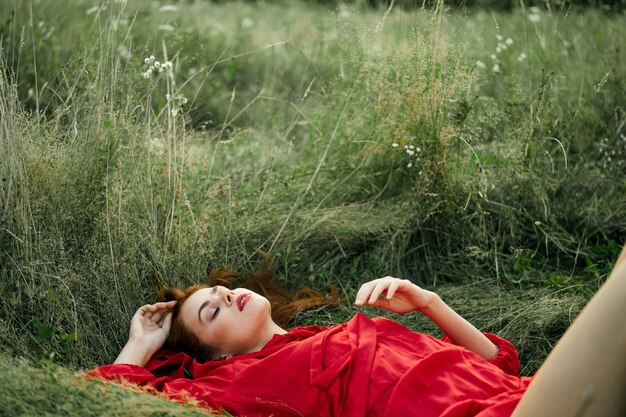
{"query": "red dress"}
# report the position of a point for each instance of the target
(365, 367)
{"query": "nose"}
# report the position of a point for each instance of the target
(228, 296)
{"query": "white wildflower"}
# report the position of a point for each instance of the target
(498, 49)
(509, 41)
(409, 165)
(167, 28)
(521, 57)
(168, 8)
(537, 223)
(247, 23)
(344, 13)
(418, 149)
(480, 64)
(499, 37)
(394, 145)
(493, 56)
(410, 152)
(496, 68)
(124, 53)
(411, 146)
(534, 18)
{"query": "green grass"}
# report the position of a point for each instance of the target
(512, 209)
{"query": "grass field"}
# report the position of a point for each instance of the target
(479, 154)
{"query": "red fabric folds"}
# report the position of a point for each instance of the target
(365, 367)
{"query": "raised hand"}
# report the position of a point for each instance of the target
(149, 329)
(151, 325)
(394, 294)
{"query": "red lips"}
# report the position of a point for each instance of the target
(242, 300)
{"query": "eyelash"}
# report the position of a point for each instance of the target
(217, 310)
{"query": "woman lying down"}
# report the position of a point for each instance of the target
(226, 350)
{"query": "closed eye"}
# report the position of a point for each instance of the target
(217, 311)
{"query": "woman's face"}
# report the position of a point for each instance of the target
(230, 321)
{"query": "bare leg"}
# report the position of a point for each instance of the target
(585, 374)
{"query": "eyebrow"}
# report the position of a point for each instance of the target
(206, 303)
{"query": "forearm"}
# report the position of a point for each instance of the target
(462, 332)
(133, 354)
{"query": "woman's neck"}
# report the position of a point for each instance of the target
(267, 333)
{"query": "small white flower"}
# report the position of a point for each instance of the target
(496, 68)
(124, 53)
(168, 8)
(537, 223)
(498, 49)
(493, 56)
(174, 111)
(509, 41)
(344, 13)
(534, 10)
(534, 18)
(247, 23)
(480, 64)
(521, 57)
(418, 149)
(409, 165)
(411, 146)
(410, 152)
(157, 65)
(146, 61)
(167, 97)
(167, 28)
(151, 59)
(394, 145)
(146, 75)
(499, 37)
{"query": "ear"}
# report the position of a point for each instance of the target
(218, 356)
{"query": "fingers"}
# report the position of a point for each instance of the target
(167, 321)
(378, 291)
(155, 311)
(372, 291)
(393, 288)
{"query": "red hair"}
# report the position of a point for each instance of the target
(285, 305)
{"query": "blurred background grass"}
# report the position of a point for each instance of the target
(476, 151)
